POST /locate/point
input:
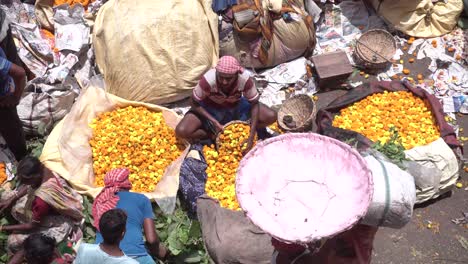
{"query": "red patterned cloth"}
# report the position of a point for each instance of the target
(114, 181)
(229, 65)
(40, 209)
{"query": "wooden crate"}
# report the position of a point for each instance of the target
(331, 69)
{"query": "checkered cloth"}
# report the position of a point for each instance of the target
(114, 181)
(229, 65)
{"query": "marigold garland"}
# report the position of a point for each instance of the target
(3, 175)
(222, 165)
(376, 114)
(135, 138)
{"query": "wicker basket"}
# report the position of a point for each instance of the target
(300, 109)
(226, 125)
(375, 49)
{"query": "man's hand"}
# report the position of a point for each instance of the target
(4, 205)
(218, 127)
(163, 252)
(247, 145)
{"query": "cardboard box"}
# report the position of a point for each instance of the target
(331, 69)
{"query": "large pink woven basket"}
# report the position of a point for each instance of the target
(303, 187)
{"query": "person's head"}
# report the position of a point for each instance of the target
(118, 178)
(112, 226)
(39, 249)
(30, 171)
(227, 70)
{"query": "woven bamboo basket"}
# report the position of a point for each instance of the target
(218, 141)
(375, 49)
(300, 110)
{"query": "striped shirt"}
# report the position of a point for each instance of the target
(207, 90)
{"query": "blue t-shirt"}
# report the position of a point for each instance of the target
(138, 208)
(5, 80)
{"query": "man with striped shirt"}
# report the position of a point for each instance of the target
(224, 94)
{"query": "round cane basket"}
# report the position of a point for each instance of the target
(218, 140)
(375, 49)
(303, 187)
(301, 109)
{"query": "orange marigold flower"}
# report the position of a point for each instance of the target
(135, 138)
(374, 115)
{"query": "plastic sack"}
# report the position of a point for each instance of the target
(435, 169)
(290, 40)
(68, 153)
(394, 194)
(420, 18)
(230, 237)
(155, 51)
(45, 14)
(43, 105)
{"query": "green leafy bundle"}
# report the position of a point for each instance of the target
(393, 148)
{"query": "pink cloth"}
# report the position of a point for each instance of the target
(229, 65)
(308, 187)
(114, 181)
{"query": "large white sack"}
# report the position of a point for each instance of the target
(435, 169)
(155, 51)
(420, 18)
(394, 195)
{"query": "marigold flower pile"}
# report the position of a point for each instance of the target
(84, 3)
(3, 175)
(134, 138)
(376, 114)
(222, 165)
(275, 128)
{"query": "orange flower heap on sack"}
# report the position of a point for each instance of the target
(222, 165)
(376, 114)
(3, 175)
(84, 3)
(135, 138)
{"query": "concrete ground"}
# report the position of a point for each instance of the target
(444, 242)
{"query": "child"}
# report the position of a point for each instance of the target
(41, 249)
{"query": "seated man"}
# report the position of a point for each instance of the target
(224, 94)
(112, 226)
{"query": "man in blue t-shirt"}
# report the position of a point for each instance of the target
(115, 194)
(12, 82)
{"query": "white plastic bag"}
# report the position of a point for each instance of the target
(43, 105)
(394, 194)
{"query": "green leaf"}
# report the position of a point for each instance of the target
(174, 245)
(159, 225)
(183, 236)
(195, 229)
(90, 232)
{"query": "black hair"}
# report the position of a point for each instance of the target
(112, 225)
(39, 249)
(29, 167)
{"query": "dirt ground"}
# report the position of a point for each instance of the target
(416, 243)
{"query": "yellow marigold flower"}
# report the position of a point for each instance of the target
(131, 137)
(374, 115)
(222, 165)
(3, 175)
